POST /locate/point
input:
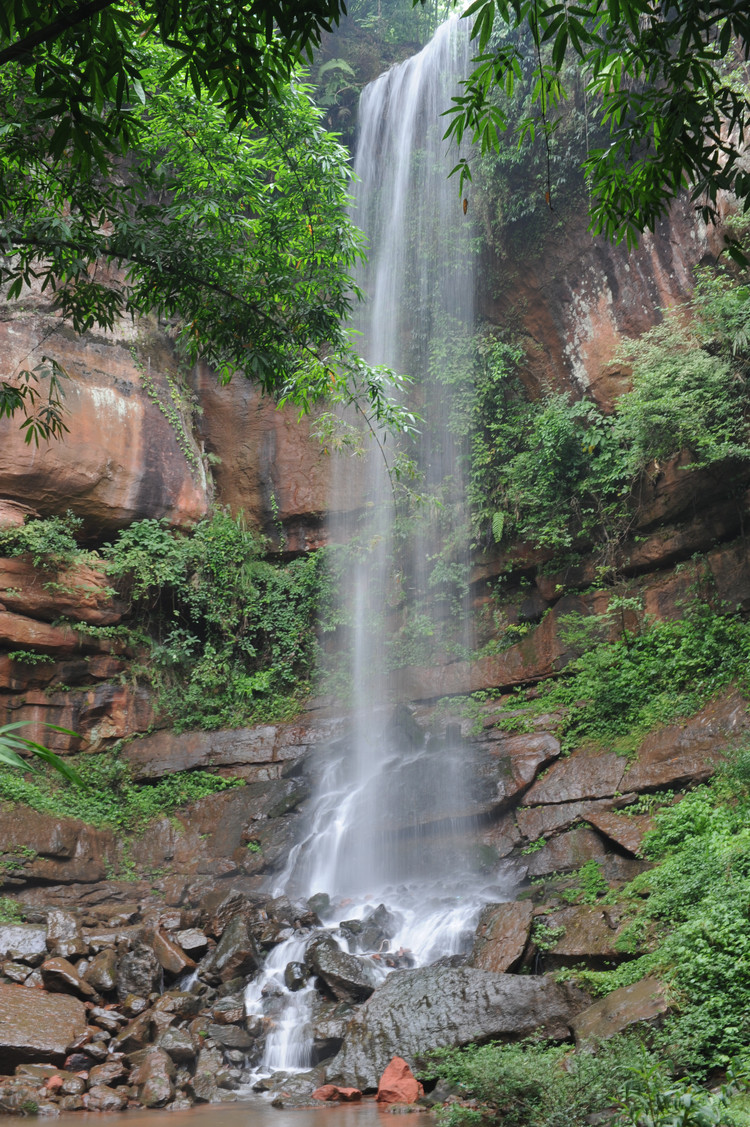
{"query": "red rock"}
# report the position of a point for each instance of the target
(644, 1001)
(113, 474)
(170, 954)
(568, 851)
(398, 1084)
(54, 1083)
(627, 831)
(37, 1026)
(331, 1092)
(502, 933)
(582, 775)
(76, 591)
(691, 751)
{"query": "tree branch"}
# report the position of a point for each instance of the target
(52, 30)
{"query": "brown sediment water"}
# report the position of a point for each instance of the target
(244, 1113)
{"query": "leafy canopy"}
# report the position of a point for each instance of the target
(660, 78)
(218, 202)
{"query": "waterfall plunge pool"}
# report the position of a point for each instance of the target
(246, 1113)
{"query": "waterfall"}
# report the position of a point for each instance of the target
(391, 818)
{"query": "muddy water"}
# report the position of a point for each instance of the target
(251, 1113)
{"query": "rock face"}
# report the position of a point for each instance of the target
(415, 1011)
(121, 460)
(35, 1026)
(644, 1001)
(502, 934)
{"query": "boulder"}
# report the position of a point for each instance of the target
(541, 821)
(568, 851)
(36, 1026)
(415, 1011)
(236, 955)
(101, 973)
(643, 1001)
(625, 830)
(350, 978)
(502, 934)
(689, 752)
(398, 1084)
(64, 936)
(153, 1076)
(138, 972)
(23, 942)
(170, 955)
(60, 975)
(332, 1092)
(100, 1097)
(589, 933)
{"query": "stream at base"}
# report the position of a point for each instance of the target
(248, 1113)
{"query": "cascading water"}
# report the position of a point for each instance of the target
(390, 819)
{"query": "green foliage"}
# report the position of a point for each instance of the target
(50, 542)
(233, 635)
(237, 237)
(110, 797)
(560, 474)
(693, 907)
(648, 1099)
(10, 911)
(537, 1084)
(13, 746)
(658, 84)
(617, 690)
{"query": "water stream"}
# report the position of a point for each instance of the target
(391, 817)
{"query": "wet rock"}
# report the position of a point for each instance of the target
(16, 972)
(589, 933)
(153, 1078)
(236, 954)
(109, 1073)
(25, 943)
(398, 1084)
(64, 936)
(566, 852)
(626, 830)
(178, 1044)
(133, 1005)
(502, 933)
(192, 941)
(418, 1010)
(350, 979)
(229, 1010)
(203, 1085)
(378, 927)
(295, 976)
(319, 904)
(644, 1001)
(170, 954)
(181, 1003)
(690, 752)
(36, 1026)
(60, 975)
(136, 1034)
(331, 1093)
(107, 1019)
(102, 1098)
(101, 973)
(580, 776)
(230, 1036)
(138, 972)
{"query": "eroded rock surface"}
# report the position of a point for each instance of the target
(415, 1011)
